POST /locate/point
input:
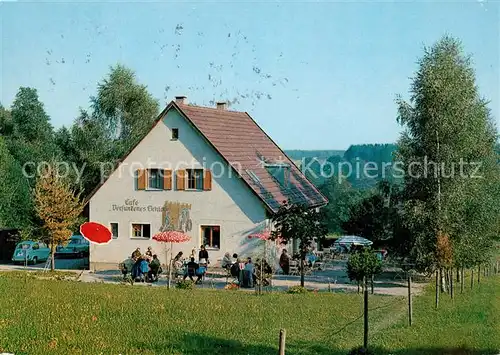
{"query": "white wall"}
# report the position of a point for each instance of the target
(230, 204)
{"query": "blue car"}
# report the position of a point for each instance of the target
(30, 252)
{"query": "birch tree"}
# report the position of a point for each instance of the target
(448, 150)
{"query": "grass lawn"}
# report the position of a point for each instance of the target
(67, 317)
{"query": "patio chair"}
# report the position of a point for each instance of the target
(294, 267)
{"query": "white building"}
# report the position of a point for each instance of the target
(209, 172)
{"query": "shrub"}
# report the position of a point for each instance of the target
(185, 285)
(362, 264)
(297, 289)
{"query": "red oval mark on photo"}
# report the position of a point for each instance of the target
(96, 233)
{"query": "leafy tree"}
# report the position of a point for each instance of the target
(15, 196)
(362, 265)
(125, 108)
(342, 197)
(298, 222)
(57, 206)
(122, 113)
(448, 129)
(6, 125)
(32, 138)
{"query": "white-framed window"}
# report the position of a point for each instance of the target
(210, 236)
(114, 229)
(194, 179)
(141, 231)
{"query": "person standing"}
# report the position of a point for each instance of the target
(285, 262)
(203, 254)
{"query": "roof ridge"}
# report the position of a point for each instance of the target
(210, 108)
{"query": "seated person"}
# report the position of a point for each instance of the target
(143, 269)
(226, 261)
(136, 254)
(200, 272)
(248, 273)
(235, 270)
(191, 268)
(126, 266)
(311, 259)
(178, 257)
(154, 269)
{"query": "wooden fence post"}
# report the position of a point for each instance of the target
(282, 341)
(410, 313)
(365, 335)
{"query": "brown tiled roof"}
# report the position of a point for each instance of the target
(244, 145)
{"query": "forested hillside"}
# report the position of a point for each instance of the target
(363, 165)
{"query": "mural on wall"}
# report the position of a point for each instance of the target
(176, 216)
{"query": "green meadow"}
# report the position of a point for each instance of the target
(57, 316)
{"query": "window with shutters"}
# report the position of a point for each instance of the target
(211, 236)
(142, 231)
(155, 179)
(194, 179)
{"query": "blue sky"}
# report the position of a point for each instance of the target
(314, 75)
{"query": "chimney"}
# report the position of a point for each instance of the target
(221, 105)
(181, 100)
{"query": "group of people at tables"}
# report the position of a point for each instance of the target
(245, 272)
(147, 267)
(142, 267)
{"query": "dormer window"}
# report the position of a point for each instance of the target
(175, 134)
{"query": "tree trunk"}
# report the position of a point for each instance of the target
(52, 257)
(458, 275)
(302, 275)
(437, 289)
(472, 278)
(462, 280)
(371, 282)
(451, 283)
(443, 280)
(479, 274)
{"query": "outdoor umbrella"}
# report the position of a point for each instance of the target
(171, 237)
(353, 240)
(96, 233)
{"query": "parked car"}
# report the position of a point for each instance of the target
(30, 252)
(77, 246)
